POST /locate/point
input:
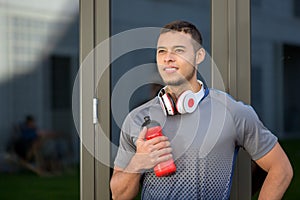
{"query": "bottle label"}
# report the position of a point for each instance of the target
(153, 132)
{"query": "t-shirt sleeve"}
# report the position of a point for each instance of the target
(127, 146)
(253, 136)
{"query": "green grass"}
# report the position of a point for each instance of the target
(292, 149)
(26, 185)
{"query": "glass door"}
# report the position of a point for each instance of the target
(120, 41)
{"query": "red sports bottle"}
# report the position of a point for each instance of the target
(154, 130)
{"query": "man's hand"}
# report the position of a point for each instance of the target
(125, 182)
(150, 152)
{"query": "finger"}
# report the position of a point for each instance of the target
(162, 144)
(158, 140)
(143, 133)
(161, 152)
(164, 158)
(164, 151)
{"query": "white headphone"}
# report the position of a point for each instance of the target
(187, 102)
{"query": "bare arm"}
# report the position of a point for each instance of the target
(280, 174)
(124, 185)
(125, 182)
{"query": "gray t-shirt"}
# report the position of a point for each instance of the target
(205, 145)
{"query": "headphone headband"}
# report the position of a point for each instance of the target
(200, 94)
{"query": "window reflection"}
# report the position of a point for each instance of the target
(150, 13)
(275, 50)
(275, 65)
(37, 37)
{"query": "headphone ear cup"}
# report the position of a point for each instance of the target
(190, 102)
(186, 100)
(162, 104)
(173, 105)
(168, 104)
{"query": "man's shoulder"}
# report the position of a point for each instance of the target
(236, 108)
(136, 116)
(230, 103)
(221, 96)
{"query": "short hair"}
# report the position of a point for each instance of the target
(186, 27)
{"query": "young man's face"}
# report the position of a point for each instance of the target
(176, 58)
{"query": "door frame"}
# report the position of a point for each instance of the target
(230, 50)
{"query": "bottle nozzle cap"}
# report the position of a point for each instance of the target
(146, 118)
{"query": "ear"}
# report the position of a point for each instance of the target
(200, 55)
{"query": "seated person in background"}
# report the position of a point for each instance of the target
(28, 142)
(35, 149)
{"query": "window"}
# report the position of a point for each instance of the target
(291, 82)
(61, 84)
(256, 3)
(296, 8)
(256, 90)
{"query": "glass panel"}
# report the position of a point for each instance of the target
(276, 71)
(275, 66)
(138, 51)
(39, 54)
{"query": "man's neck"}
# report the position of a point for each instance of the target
(178, 90)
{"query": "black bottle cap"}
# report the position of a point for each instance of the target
(147, 118)
(147, 121)
(150, 123)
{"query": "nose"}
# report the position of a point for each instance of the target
(169, 57)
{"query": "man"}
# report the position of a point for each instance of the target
(203, 128)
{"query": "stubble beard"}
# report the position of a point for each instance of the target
(181, 80)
